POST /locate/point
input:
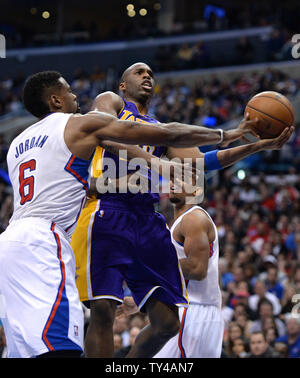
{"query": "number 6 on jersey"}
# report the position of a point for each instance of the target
(26, 188)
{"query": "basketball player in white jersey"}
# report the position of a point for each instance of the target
(195, 238)
(48, 167)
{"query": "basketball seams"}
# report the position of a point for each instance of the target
(264, 135)
(276, 99)
(268, 115)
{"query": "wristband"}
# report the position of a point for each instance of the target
(221, 135)
(211, 161)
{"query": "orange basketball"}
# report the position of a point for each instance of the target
(274, 111)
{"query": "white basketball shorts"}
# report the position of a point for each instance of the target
(200, 335)
(41, 310)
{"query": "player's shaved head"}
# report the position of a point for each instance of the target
(132, 67)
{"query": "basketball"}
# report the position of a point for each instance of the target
(274, 111)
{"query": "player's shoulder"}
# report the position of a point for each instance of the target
(196, 219)
(109, 96)
(108, 102)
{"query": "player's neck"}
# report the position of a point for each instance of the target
(181, 209)
(142, 108)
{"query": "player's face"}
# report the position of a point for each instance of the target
(68, 98)
(174, 197)
(179, 194)
(139, 82)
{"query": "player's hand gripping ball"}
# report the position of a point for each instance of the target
(274, 112)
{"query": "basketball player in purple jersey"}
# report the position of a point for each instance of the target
(120, 237)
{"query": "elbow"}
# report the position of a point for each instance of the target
(199, 274)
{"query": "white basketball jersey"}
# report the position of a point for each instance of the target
(207, 291)
(48, 180)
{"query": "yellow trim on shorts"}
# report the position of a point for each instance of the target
(81, 245)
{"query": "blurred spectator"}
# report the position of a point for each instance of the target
(260, 291)
(241, 297)
(292, 337)
(272, 283)
(138, 320)
(243, 318)
(184, 57)
(118, 344)
(266, 318)
(235, 331)
(287, 300)
(248, 193)
(239, 348)
(120, 326)
(271, 335)
(295, 276)
(251, 273)
(121, 353)
(259, 348)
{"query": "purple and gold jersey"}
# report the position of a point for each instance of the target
(120, 236)
(129, 112)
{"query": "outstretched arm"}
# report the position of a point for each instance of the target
(233, 155)
(112, 103)
(84, 132)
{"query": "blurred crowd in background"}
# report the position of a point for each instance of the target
(276, 46)
(210, 101)
(257, 214)
(91, 25)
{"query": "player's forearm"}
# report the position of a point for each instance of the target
(235, 154)
(192, 270)
(171, 134)
(183, 135)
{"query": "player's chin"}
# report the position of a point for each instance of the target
(148, 93)
(76, 108)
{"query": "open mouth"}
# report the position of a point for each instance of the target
(147, 85)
